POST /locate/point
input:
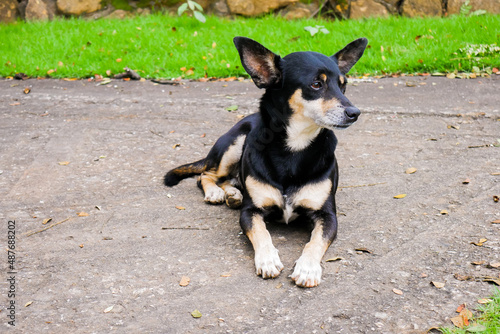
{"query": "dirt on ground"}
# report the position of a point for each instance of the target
(91, 158)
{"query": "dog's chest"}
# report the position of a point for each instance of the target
(311, 196)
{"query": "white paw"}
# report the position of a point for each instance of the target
(215, 195)
(307, 273)
(233, 198)
(267, 263)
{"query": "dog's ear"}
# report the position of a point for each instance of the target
(350, 54)
(261, 63)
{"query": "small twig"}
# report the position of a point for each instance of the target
(166, 82)
(186, 228)
(363, 185)
(28, 234)
(479, 146)
(129, 73)
(156, 133)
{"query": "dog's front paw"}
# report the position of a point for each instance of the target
(267, 263)
(307, 273)
(215, 195)
(233, 198)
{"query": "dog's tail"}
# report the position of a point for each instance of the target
(180, 173)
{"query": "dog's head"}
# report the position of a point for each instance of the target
(312, 83)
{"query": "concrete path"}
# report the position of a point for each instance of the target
(92, 157)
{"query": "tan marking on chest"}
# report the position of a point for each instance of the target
(312, 196)
(263, 195)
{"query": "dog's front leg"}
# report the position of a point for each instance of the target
(267, 260)
(307, 272)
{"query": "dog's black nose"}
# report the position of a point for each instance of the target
(352, 112)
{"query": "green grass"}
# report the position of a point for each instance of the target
(158, 46)
(486, 322)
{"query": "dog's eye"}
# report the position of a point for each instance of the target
(316, 85)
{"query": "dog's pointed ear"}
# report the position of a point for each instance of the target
(350, 54)
(261, 63)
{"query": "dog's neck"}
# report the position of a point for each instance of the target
(292, 130)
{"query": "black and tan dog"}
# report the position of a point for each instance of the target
(279, 164)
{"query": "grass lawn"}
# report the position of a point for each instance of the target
(162, 46)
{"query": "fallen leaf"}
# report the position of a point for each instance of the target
(456, 127)
(397, 291)
(466, 181)
(463, 277)
(495, 174)
(28, 303)
(50, 71)
(232, 108)
(225, 275)
(180, 208)
(82, 214)
(495, 198)
(478, 263)
(108, 309)
(451, 75)
(443, 212)
(176, 145)
(184, 281)
(458, 321)
(214, 45)
(363, 250)
(494, 265)
(27, 90)
(480, 242)
(333, 259)
(46, 220)
(410, 170)
(15, 104)
(203, 135)
(196, 314)
(423, 275)
(484, 301)
(81, 246)
(119, 60)
(438, 285)
(70, 79)
(466, 315)
(491, 279)
(400, 196)
(496, 221)
(63, 163)
(460, 308)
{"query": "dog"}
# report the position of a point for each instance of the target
(279, 164)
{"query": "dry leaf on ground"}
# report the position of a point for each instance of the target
(196, 314)
(411, 170)
(184, 281)
(438, 285)
(480, 242)
(82, 214)
(400, 196)
(397, 291)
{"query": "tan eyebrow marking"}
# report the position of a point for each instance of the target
(323, 77)
(342, 80)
